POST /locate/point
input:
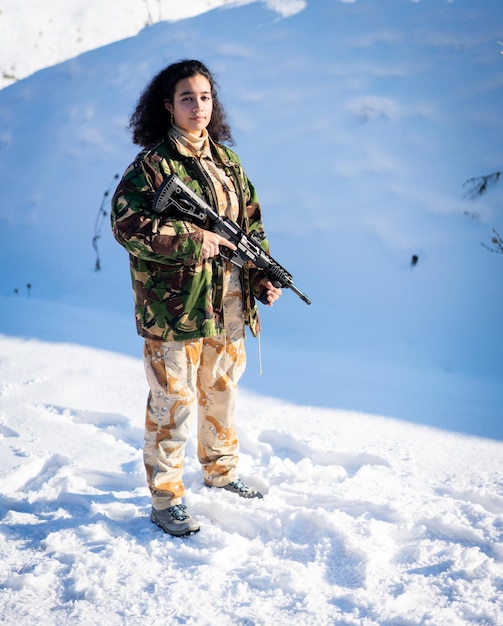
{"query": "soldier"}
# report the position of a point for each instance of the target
(191, 305)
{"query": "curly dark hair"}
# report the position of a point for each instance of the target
(150, 120)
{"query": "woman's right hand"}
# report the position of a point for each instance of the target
(212, 242)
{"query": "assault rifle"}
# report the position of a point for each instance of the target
(175, 195)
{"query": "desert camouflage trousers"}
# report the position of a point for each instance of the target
(183, 375)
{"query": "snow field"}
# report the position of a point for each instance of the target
(365, 520)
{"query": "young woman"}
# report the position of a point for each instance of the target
(191, 305)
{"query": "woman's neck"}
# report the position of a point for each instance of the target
(191, 140)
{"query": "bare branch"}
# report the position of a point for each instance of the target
(479, 184)
(496, 243)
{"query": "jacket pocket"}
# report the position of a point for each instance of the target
(176, 298)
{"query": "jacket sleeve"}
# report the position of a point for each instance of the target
(144, 233)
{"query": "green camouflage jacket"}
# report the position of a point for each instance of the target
(176, 291)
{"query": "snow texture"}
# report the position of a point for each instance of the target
(375, 431)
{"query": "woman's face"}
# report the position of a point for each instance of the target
(192, 104)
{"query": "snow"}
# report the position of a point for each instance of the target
(365, 520)
(35, 36)
(375, 431)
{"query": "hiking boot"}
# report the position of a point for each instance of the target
(243, 490)
(175, 520)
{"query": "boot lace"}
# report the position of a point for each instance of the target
(178, 512)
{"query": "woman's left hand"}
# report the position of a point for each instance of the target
(273, 293)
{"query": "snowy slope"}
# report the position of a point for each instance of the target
(37, 35)
(358, 122)
(358, 137)
(366, 521)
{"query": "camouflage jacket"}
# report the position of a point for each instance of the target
(178, 294)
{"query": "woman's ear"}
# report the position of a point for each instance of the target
(168, 105)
